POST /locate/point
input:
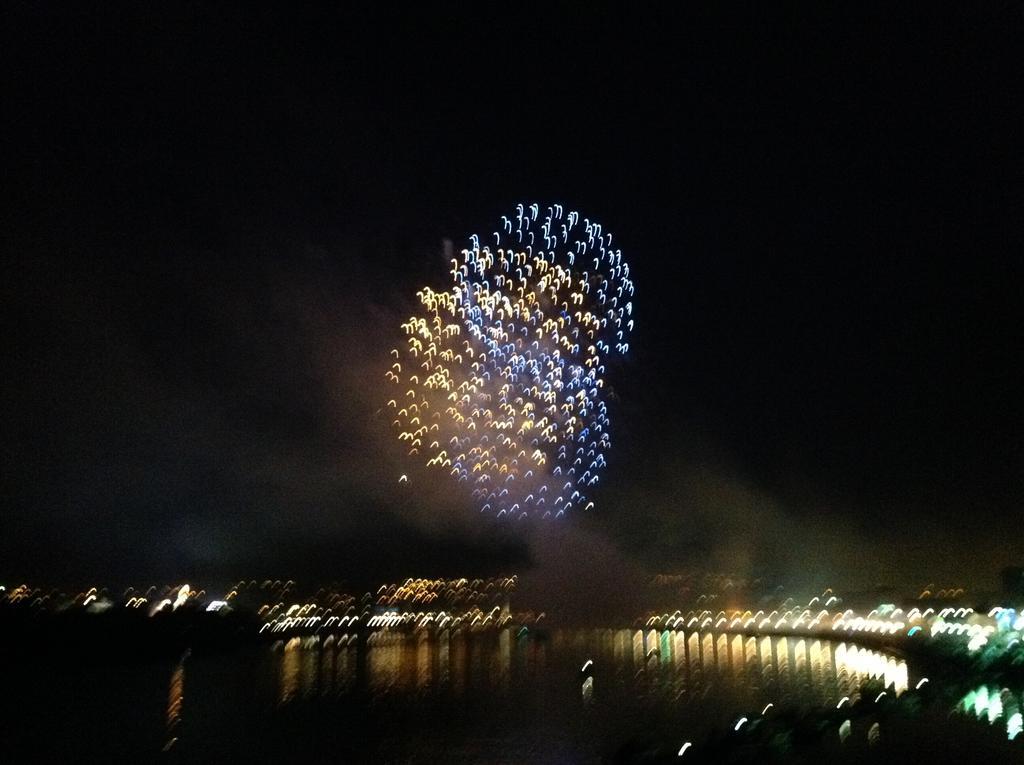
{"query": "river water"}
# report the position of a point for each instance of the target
(491, 696)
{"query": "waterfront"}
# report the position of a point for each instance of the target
(496, 695)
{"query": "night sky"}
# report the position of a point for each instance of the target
(214, 220)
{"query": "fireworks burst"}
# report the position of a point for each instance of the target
(500, 380)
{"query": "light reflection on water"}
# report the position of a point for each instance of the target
(572, 693)
(175, 700)
(454, 696)
(796, 671)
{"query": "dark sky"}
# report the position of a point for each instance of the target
(214, 219)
